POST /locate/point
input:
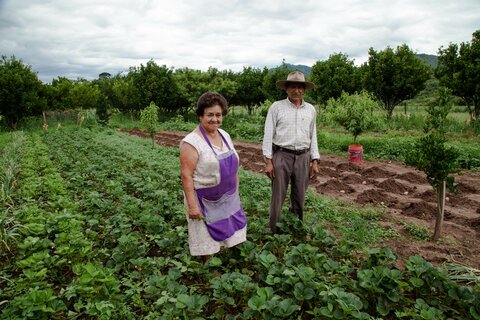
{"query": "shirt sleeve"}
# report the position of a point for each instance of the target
(268, 135)
(314, 154)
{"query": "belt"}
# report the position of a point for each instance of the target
(295, 152)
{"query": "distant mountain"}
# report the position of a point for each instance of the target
(430, 59)
(300, 67)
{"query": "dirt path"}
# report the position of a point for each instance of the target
(403, 190)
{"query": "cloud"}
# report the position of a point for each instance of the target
(83, 38)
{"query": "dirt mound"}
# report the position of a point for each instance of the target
(421, 210)
(463, 187)
(412, 177)
(456, 200)
(334, 185)
(390, 185)
(429, 196)
(341, 167)
(385, 183)
(376, 172)
(376, 197)
(329, 172)
(353, 179)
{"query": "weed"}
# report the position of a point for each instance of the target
(418, 232)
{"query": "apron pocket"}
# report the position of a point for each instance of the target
(221, 209)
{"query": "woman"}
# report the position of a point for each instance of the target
(209, 166)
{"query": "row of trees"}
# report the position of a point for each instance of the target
(392, 76)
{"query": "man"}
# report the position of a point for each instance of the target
(290, 147)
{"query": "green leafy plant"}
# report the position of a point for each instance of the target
(9, 229)
(104, 236)
(432, 156)
(356, 112)
(86, 118)
(149, 119)
(417, 232)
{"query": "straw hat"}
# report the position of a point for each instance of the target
(295, 77)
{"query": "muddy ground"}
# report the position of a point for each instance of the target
(403, 190)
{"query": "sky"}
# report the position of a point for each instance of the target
(83, 38)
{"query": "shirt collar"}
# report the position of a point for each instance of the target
(294, 106)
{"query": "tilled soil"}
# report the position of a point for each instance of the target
(402, 190)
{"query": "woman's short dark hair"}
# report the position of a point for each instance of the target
(209, 99)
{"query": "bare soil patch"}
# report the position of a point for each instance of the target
(403, 190)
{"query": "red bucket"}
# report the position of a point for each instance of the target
(356, 153)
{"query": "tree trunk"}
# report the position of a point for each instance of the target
(12, 123)
(152, 136)
(440, 210)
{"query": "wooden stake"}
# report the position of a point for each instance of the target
(44, 121)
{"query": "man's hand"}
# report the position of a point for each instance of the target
(313, 168)
(269, 169)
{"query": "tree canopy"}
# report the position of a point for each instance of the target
(249, 90)
(333, 76)
(21, 93)
(394, 75)
(391, 75)
(269, 87)
(459, 70)
(155, 83)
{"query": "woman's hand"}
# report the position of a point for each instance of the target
(195, 214)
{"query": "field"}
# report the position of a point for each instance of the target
(94, 228)
(402, 192)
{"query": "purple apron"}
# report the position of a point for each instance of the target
(220, 205)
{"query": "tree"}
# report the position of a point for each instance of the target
(431, 155)
(249, 90)
(20, 91)
(394, 76)
(191, 84)
(156, 83)
(83, 95)
(125, 96)
(222, 82)
(105, 99)
(104, 75)
(459, 69)
(269, 82)
(332, 77)
(356, 112)
(149, 119)
(60, 93)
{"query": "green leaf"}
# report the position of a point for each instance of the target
(214, 262)
(417, 282)
(286, 307)
(257, 303)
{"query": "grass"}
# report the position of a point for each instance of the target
(391, 141)
(461, 273)
(418, 232)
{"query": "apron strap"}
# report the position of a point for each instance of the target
(208, 141)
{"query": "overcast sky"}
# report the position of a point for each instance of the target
(83, 38)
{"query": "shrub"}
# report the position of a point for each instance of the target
(357, 112)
